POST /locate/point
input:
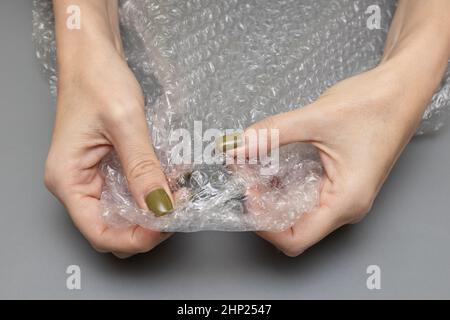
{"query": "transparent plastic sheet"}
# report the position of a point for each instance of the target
(229, 63)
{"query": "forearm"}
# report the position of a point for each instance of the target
(98, 32)
(418, 48)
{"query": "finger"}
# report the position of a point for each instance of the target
(62, 175)
(86, 214)
(293, 126)
(145, 177)
(307, 231)
(300, 125)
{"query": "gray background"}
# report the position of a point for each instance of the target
(407, 234)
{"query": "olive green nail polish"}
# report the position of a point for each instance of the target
(158, 202)
(229, 142)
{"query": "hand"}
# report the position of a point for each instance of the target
(360, 126)
(100, 107)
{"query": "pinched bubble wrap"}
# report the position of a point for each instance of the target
(229, 63)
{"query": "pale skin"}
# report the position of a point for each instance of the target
(360, 126)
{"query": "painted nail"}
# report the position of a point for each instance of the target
(229, 142)
(158, 201)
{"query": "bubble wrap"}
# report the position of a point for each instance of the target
(229, 63)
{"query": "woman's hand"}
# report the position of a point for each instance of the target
(100, 107)
(361, 125)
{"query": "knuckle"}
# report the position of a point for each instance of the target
(362, 208)
(292, 251)
(97, 242)
(359, 201)
(50, 176)
(98, 245)
(48, 179)
(122, 114)
(291, 248)
(142, 166)
(140, 243)
(141, 247)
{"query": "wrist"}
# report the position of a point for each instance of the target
(417, 62)
(98, 35)
(417, 49)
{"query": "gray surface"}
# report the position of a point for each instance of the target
(407, 234)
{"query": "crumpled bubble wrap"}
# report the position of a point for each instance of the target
(229, 63)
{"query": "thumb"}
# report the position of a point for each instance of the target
(299, 125)
(144, 174)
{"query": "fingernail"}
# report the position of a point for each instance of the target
(158, 201)
(229, 142)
